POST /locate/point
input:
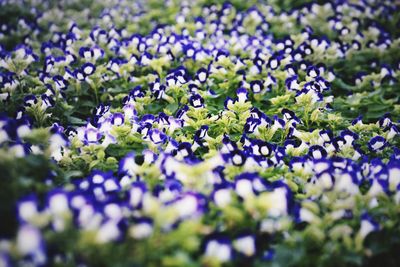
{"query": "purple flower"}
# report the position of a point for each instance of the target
(92, 136)
(377, 143)
(117, 119)
(196, 101)
(88, 69)
(317, 152)
(157, 137)
(219, 248)
(202, 75)
(256, 86)
(242, 94)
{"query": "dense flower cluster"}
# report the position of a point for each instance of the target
(196, 134)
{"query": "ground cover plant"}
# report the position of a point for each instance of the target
(199, 133)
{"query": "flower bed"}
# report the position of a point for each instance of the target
(193, 133)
